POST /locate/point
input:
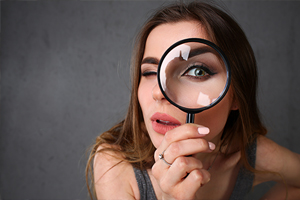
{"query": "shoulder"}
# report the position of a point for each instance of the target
(268, 152)
(271, 157)
(114, 177)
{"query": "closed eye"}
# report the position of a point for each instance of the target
(149, 73)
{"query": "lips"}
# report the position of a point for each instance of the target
(161, 123)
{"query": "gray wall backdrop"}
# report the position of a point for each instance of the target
(65, 79)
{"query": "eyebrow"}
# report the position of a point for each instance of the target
(150, 60)
(201, 50)
(192, 53)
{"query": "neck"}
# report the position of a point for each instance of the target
(208, 159)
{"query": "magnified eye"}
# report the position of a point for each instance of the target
(198, 71)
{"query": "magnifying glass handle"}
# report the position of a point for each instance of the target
(190, 118)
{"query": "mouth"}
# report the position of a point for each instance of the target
(162, 123)
(167, 123)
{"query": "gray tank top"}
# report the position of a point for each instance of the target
(242, 186)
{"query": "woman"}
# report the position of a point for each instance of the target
(146, 155)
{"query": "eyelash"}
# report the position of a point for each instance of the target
(149, 73)
(202, 67)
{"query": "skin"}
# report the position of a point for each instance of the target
(185, 139)
(150, 96)
(199, 140)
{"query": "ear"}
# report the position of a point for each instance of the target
(234, 105)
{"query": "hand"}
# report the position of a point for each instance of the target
(185, 175)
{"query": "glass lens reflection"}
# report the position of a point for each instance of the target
(193, 75)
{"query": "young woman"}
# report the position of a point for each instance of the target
(146, 156)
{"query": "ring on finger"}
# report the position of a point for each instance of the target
(161, 157)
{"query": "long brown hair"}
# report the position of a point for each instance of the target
(243, 125)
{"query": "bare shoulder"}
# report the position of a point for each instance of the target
(271, 157)
(113, 177)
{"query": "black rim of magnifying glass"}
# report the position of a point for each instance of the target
(225, 60)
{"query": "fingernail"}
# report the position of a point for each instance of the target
(203, 130)
(212, 146)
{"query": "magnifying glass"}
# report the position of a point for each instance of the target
(194, 75)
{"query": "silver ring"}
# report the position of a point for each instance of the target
(161, 157)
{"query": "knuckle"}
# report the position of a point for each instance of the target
(182, 163)
(156, 154)
(164, 185)
(155, 171)
(189, 129)
(203, 143)
(174, 149)
(197, 176)
(206, 176)
(168, 137)
(201, 176)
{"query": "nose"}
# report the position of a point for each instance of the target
(156, 93)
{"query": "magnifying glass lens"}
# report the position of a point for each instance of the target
(193, 75)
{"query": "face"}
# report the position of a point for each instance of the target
(159, 115)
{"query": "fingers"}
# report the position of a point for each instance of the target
(186, 148)
(175, 169)
(186, 131)
(185, 174)
(184, 141)
(198, 178)
(181, 168)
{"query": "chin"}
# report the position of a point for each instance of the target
(156, 139)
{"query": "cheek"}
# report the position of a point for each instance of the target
(141, 94)
(215, 118)
(144, 94)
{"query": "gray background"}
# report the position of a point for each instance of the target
(65, 79)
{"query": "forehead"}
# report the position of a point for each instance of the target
(163, 36)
